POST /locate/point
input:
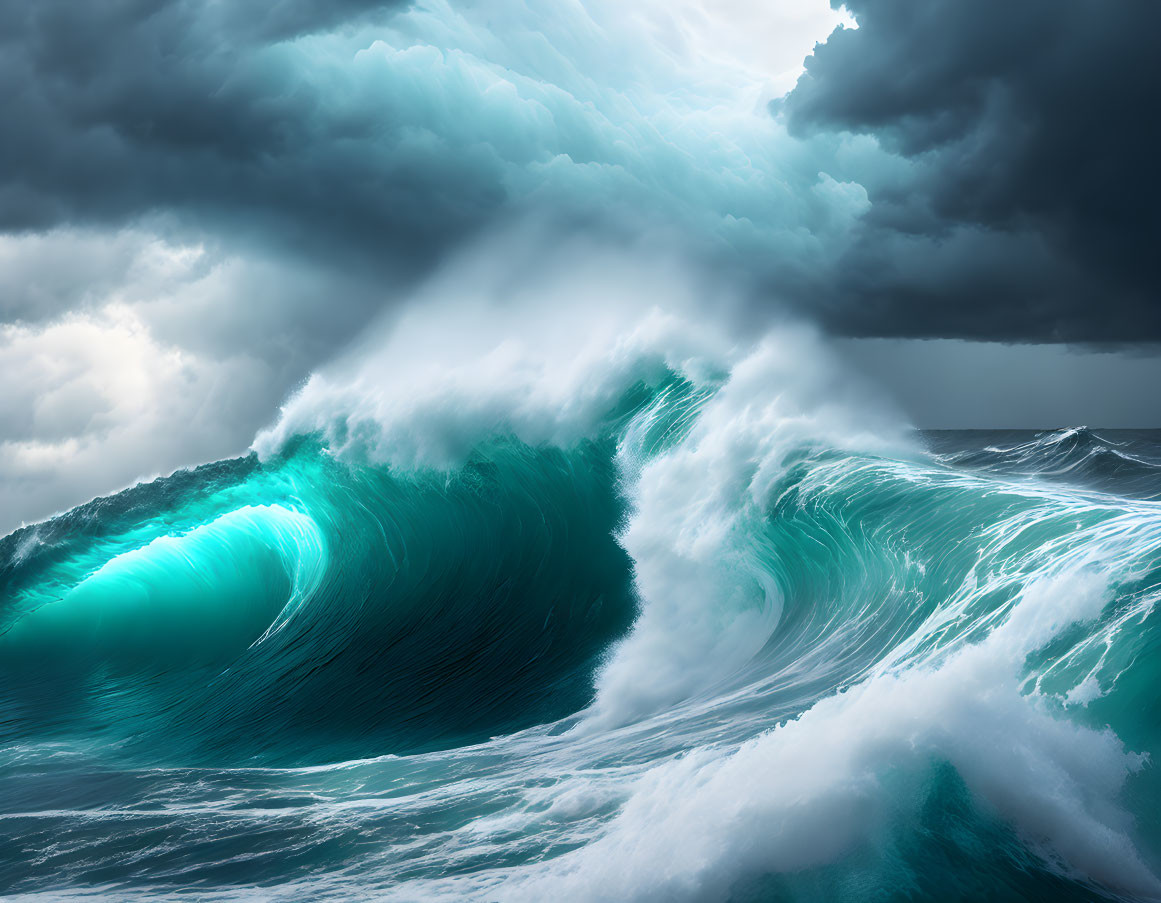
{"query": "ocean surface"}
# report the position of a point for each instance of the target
(692, 651)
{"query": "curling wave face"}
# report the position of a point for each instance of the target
(672, 617)
(307, 610)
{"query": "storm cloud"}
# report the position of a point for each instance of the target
(377, 138)
(961, 169)
(210, 113)
(1029, 208)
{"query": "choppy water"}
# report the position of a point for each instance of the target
(695, 653)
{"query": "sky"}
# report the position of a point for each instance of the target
(202, 202)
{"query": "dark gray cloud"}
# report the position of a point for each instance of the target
(1010, 196)
(1030, 206)
(370, 139)
(121, 109)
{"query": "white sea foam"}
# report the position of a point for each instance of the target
(546, 359)
(708, 609)
(804, 793)
(477, 353)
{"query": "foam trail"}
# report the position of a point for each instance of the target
(809, 790)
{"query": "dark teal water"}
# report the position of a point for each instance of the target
(925, 677)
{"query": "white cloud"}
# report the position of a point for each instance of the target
(94, 400)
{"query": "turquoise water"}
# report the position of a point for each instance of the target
(922, 676)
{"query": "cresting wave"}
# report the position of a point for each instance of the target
(604, 605)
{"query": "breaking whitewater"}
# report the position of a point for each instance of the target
(592, 602)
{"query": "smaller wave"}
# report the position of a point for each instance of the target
(1124, 462)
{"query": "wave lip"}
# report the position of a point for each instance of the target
(202, 595)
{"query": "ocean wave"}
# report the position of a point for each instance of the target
(642, 611)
